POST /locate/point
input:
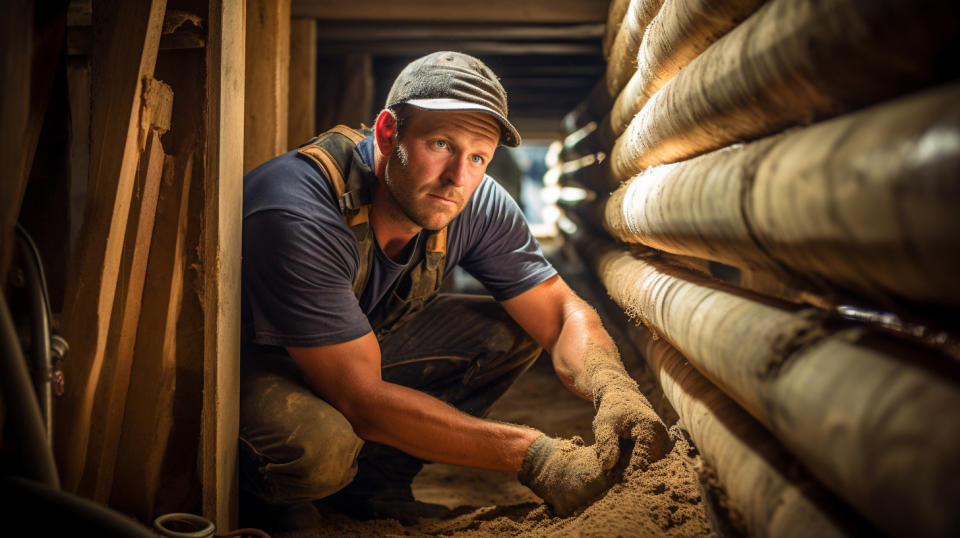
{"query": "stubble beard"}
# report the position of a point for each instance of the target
(404, 200)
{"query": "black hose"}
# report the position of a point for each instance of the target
(34, 509)
(23, 412)
(39, 301)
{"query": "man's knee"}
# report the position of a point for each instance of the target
(301, 472)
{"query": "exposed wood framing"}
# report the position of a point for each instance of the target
(148, 421)
(267, 76)
(111, 397)
(357, 32)
(125, 53)
(529, 11)
(15, 47)
(220, 246)
(302, 117)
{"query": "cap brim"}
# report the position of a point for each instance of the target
(508, 133)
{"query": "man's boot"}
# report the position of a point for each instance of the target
(382, 488)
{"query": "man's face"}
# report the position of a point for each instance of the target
(438, 163)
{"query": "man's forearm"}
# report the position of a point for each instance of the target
(430, 429)
(582, 339)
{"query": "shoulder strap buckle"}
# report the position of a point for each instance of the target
(350, 201)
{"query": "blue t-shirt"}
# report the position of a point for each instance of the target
(300, 257)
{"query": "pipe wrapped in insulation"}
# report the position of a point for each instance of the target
(866, 202)
(754, 471)
(615, 14)
(876, 420)
(623, 53)
(792, 62)
(678, 34)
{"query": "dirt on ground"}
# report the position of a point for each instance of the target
(661, 500)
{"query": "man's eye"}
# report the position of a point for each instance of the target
(441, 144)
(477, 159)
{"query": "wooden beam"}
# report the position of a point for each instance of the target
(48, 35)
(124, 54)
(78, 83)
(15, 51)
(302, 116)
(148, 415)
(220, 246)
(528, 11)
(111, 396)
(417, 30)
(267, 75)
(476, 47)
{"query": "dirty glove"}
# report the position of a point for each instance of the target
(564, 473)
(622, 411)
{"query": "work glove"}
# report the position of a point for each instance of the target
(622, 411)
(564, 473)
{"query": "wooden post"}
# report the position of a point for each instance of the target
(15, 53)
(303, 81)
(220, 247)
(267, 76)
(123, 54)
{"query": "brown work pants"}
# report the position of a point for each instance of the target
(294, 446)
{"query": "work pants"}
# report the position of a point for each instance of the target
(294, 446)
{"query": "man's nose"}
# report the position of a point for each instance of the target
(457, 170)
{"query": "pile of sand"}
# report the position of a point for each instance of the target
(663, 500)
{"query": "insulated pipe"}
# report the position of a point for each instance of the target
(757, 475)
(23, 413)
(875, 419)
(866, 202)
(792, 62)
(678, 34)
(623, 53)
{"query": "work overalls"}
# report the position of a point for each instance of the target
(462, 349)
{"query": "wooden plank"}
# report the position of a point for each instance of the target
(302, 117)
(345, 92)
(529, 11)
(475, 47)
(148, 415)
(15, 46)
(48, 35)
(124, 53)
(111, 395)
(403, 30)
(267, 75)
(220, 247)
(78, 84)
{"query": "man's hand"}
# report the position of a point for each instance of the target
(564, 473)
(622, 411)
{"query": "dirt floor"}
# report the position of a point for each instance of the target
(663, 500)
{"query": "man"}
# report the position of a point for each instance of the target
(355, 369)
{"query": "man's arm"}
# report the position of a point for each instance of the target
(347, 376)
(587, 362)
(565, 325)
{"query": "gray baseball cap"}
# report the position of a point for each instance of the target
(454, 81)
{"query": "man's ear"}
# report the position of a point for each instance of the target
(385, 131)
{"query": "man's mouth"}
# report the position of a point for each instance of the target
(442, 199)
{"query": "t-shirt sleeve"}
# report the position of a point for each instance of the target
(501, 251)
(298, 281)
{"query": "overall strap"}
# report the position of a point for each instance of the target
(334, 153)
